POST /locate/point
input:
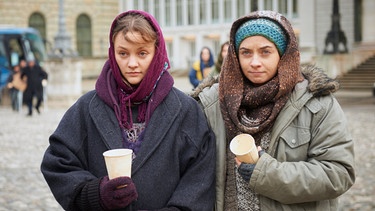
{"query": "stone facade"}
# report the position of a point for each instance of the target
(100, 12)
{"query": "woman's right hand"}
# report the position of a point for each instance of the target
(117, 193)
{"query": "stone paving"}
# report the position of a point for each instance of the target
(23, 141)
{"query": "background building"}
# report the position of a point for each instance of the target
(188, 25)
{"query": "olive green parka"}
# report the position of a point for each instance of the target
(310, 161)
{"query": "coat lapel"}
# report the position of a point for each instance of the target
(160, 123)
(105, 120)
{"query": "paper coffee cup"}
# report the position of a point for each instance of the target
(118, 162)
(243, 146)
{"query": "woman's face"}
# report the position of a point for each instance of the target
(258, 59)
(133, 58)
(205, 55)
(224, 51)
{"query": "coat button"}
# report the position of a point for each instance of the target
(294, 141)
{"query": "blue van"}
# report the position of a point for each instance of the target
(18, 44)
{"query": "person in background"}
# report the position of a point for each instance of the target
(35, 78)
(306, 152)
(202, 67)
(16, 86)
(135, 106)
(220, 58)
(4, 75)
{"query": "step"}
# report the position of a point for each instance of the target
(361, 75)
(358, 76)
(356, 85)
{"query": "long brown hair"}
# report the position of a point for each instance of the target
(220, 58)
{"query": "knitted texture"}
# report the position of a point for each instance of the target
(263, 27)
(117, 193)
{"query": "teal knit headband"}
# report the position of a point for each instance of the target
(263, 27)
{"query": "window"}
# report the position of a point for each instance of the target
(228, 10)
(16, 51)
(254, 5)
(168, 16)
(283, 7)
(192, 49)
(241, 8)
(295, 8)
(157, 11)
(169, 45)
(268, 5)
(179, 12)
(215, 11)
(38, 22)
(190, 7)
(202, 12)
(145, 6)
(83, 29)
(138, 5)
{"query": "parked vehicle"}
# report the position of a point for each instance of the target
(18, 43)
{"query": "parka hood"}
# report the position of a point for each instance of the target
(320, 83)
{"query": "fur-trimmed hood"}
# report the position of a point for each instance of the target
(320, 83)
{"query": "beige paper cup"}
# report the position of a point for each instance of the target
(118, 162)
(243, 146)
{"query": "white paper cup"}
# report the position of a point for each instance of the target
(118, 162)
(243, 146)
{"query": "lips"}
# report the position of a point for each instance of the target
(256, 73)
(133, 73)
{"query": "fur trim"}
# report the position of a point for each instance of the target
(320, 83)
(207, 82)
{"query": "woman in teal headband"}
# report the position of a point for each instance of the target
(306, 157)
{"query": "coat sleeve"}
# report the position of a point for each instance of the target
(326, 170)
(64, 165)
(196, 188)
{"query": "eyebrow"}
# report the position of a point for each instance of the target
(264, 47)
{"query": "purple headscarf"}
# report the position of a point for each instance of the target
(149, 93)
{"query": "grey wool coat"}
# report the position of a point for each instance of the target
(174, 167)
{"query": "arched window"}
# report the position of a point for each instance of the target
(38, 22)
(84, 37)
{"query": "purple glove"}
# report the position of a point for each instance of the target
(117, 193)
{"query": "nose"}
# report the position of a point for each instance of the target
(133, 63)
(255, 61)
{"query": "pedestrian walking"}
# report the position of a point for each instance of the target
(134, 106)
(306, 152)
(16, 86)
(36, 76)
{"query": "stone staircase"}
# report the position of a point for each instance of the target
(361, 77)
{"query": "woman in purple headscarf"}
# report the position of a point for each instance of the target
(134, 106)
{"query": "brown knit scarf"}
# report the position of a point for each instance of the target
(250, 109)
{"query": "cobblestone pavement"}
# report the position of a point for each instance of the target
(23, 141)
